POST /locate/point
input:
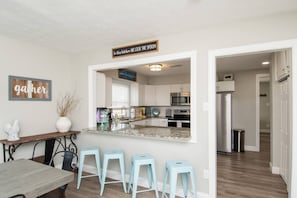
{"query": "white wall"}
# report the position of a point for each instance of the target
(24, 59)
(260, 30)
(244, 104)
(166, 80)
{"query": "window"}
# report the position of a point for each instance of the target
(120, 94)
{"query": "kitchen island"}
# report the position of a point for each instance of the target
(137, 131)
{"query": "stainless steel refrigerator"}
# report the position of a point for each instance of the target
(223, 112)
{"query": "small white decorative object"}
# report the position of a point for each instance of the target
(63, 124)
(12, 130)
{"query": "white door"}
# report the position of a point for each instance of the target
(284, 129)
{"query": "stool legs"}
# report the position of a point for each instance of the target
(165, 182)
(98, 167)
(193, 184)
(185, 183)
(113, 155)
(105, 164)
(122, 167)
(155, 179)
(148, 162)
(173, 168)
(81, 162)
(135, 181)
(173, 178)
(88, 151)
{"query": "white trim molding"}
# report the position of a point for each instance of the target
(274, 169)
(213, 54)
(259, 78)
(251, 148)
(192, 55)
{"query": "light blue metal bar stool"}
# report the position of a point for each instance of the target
(143, 160)
(109, 155)
(173, 168)
(84, 152)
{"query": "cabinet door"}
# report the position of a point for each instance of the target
(149, 99)
(162, 95)
(180, 88)
(282, 61)
(134, 95)
(100, 89)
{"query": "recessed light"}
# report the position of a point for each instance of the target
(265, 63)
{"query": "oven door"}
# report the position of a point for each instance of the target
(172, 123)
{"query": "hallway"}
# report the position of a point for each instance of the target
(248, 174)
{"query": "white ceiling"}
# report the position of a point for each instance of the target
(174, 67)
(243, 62)
(79, 25)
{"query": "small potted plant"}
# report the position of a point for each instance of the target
(65, 105)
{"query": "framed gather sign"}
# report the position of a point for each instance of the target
(23, 88)
(149, 46)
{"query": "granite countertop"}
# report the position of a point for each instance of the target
(150, 132)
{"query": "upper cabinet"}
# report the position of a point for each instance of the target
(157, 95)
(283, 60)
(162, 95)
(136, 94)
(180, 88)
(103, 90)
(225, 86)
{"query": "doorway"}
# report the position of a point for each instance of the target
(212, 118)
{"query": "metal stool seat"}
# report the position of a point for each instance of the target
(109, 155)
(142, 160)
(174, 167)
(84, 152)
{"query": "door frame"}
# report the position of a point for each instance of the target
(212, 55)
(259, 78)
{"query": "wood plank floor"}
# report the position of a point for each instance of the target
(248, 175)
(90, 188)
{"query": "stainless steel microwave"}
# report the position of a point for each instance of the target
(180, 98)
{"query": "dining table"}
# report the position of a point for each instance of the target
(30, 178)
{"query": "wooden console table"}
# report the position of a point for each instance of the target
(50, 138)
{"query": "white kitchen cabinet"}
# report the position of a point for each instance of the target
(158, 122)
(283, 64)
(157, 95)
(140, 122)
(149, 92)
(225, 86)
(103, 90)
(180, 88)
(136, 94)
(162, 95)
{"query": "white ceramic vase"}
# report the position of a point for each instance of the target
(63, 124)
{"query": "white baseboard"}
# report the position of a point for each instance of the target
(142, 182)
(274, 169)
(251, 148)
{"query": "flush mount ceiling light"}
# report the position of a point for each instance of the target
(155, 67)
(265, 63)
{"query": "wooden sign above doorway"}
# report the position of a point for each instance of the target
(145, 47)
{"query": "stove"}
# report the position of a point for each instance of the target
(181, 119)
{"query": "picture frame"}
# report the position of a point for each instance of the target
(31, 89)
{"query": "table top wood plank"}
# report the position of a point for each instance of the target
(39, 137)
(31, 178)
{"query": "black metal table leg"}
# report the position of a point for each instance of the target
(4, 153)
(49, 147)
